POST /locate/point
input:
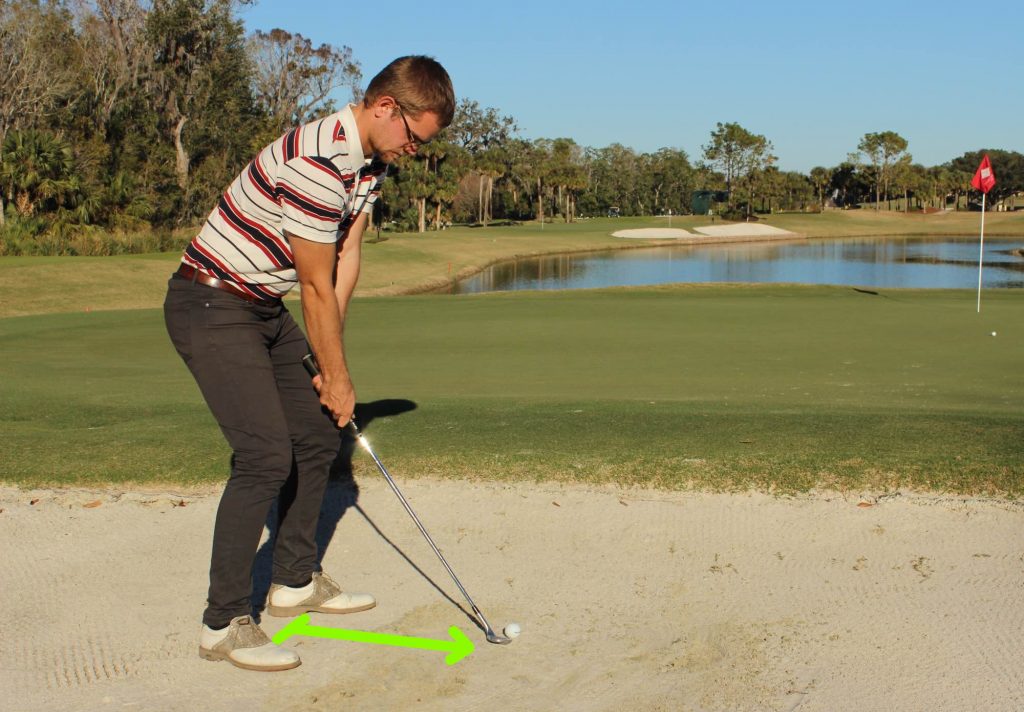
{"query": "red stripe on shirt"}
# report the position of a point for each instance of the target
(236, 280)
(260, 228)
(220, 265)
(311, 201)
(284, 199)
(263, 174)
(321, 167)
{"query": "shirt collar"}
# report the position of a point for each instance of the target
(353, 141)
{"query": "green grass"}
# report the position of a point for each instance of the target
(46, 285)
(868, 222)
(722, 387)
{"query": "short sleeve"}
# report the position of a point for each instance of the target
(312, 198)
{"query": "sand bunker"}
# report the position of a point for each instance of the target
(652, 233)
(745, 229)
(629, 599)
(728, 232)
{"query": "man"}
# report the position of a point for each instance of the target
(295, 215)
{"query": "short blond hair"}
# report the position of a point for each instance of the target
(419, 84)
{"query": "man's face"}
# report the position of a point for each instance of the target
(401, 134)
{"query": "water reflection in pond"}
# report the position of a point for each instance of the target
(944, 263)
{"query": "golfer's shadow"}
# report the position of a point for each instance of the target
(342, 494)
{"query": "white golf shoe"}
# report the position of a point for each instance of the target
(245, 645)
(321, 595)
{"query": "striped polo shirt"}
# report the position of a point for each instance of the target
(312, 182)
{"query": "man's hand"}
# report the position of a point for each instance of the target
(339, 398)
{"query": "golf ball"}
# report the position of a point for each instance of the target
(993, 333)
(512, 630)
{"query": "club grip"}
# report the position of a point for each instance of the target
(309, 361)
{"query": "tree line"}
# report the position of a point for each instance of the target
(123, 117)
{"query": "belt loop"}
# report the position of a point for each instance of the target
(195, 276)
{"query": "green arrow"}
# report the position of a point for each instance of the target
(457, 648)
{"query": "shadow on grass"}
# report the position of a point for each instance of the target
(342, 494)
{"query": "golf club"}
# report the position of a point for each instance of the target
(309, 361)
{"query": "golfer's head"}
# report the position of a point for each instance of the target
(411, 100)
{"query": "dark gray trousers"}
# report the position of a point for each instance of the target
(246, 359)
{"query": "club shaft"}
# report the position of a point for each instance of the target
(310, 364)
(408, 508)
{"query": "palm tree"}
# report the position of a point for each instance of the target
(36, 167)
(567, 175)
(821, 177)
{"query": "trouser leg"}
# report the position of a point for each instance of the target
(315, 443)
(226, 343)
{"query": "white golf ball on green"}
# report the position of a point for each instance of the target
(512, 630)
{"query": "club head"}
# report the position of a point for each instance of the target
(493, 637)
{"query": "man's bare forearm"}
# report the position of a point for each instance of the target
(325, 310)
(346, 275)
(347, 271)
(317, 268)
(324, 329)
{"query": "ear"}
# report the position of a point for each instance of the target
(384, 106)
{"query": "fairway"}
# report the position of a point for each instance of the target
(719, 387)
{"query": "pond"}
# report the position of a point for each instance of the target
(943, 263)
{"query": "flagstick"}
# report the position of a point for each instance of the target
(981, 252)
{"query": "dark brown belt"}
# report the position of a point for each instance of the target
(195, 276)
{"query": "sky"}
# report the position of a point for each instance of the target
(812, 77)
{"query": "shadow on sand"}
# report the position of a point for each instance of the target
(342, 494)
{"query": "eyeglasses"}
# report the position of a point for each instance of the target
(414, 140)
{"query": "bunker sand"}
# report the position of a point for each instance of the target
(628, 599)
(712, 234)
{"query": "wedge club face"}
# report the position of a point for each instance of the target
(309, 362)
(493, 637)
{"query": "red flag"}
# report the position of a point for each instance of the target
(984, 178)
